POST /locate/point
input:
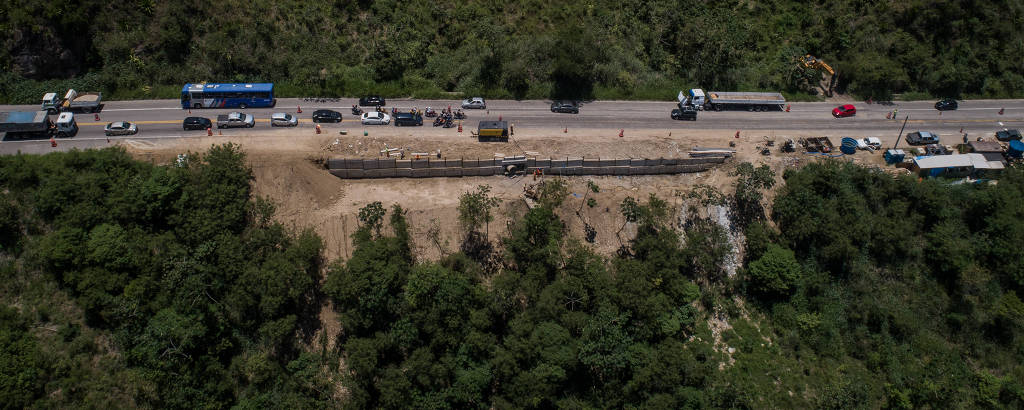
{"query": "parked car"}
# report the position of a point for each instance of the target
(408, 118)
(948, 104)
(1008, 135)
(196, 123)
(326, 116)
(375, 118)
(873, 143)
(372, 101)
(283, 119)
(571, 107)
(475, 102)
(922, 138)
(120, 128)
(845, 110)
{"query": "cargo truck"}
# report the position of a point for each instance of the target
(734, 100)
(236, 120)
(73, 101)
(37, 124)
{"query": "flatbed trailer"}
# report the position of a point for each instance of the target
(73, 101)
(735, 100)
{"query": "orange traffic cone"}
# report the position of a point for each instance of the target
(621, 132)
(499, 117)
(737, 134)
(318, 128)
(96, 116)
(566, 130)
(209, 132)
(53, 142)
(220, 132)
(787, 107)
(299, 110)
(460, 126)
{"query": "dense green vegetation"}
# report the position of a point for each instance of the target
(530, 49)
(127, 284)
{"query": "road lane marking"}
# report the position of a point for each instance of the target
(156, 122)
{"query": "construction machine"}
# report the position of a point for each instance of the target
(814, 63)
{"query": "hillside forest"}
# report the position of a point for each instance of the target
(128, 284)
(525, 49)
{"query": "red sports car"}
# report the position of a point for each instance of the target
(845, 110)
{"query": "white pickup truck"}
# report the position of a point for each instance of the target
(236, 120)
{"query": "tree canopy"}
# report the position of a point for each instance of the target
(603, 49)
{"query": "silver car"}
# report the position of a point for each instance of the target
(475, 102)
(283, 119)
(375, 118)
(120, 128)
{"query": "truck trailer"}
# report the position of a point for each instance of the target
(37, 124)
(734, 100)
(73, 101)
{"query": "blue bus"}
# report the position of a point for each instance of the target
(241, 95)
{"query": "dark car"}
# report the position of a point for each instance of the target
(408, 118)
(685, 112)
(922, 138)
(1007, 135)
(948, 104)
(570, 107)
(372, 101)
(326, 116)
(196, 123)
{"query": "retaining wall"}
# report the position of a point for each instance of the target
(358, 168)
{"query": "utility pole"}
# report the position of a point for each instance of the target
(901, 132)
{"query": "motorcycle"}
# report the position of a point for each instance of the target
(429, 112)
(459, 115)
(438, 121)
(356, 110)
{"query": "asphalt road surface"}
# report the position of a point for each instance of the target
(161, 119)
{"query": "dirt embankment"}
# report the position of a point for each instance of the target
(286, 171)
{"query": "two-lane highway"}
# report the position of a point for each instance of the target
(161, 119)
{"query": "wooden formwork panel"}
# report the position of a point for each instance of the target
(419, 164)
(453, 172)
(453, 163)
(403, 172)
(543, 163)
(621, 162)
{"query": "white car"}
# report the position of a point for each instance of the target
(870, 142)
(475, 102)
(283, 119)
(375, 118)
(120, 128)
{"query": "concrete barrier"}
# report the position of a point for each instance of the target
(428, 168)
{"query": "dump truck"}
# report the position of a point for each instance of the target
(37, 124)
(73, 101)
(492, 131)
(236, 120)
(734, 100)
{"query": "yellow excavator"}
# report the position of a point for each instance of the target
(814, 63)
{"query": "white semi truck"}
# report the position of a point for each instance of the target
(734, 100)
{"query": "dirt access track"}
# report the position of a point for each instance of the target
(287, 170)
